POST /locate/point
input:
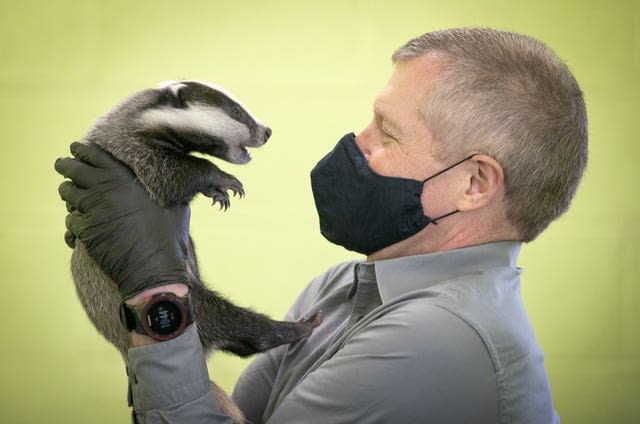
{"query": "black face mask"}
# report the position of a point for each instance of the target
(364, 211)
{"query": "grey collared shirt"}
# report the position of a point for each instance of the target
(437, 338)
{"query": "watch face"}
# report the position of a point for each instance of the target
(163, 318)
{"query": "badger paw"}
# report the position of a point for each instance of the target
(218, 192)
(311, 323)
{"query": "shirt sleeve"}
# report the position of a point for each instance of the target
(424, 365)
(254, 386)
(170, 383)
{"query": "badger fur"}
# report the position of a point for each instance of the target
(153, 131)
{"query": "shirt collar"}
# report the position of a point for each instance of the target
(398, 276)
(363, 273)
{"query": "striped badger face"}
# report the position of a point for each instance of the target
(198, 116)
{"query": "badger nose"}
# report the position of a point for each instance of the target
(267, 134)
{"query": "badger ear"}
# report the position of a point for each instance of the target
(176, 90)
(179, 91)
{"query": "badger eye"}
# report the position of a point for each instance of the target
(235, 114)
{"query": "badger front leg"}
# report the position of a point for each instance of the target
(173, 177)
(218, 184)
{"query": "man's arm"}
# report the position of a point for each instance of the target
(178, 289)
(142, 247)
(254, 386)
(170, 383)
(407, 366)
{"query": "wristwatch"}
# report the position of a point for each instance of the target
(162, 316)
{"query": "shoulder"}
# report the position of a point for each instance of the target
(422, 329)
(419, 360)
(334, 279)
(490, 302)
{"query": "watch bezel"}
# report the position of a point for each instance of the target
(164, 297)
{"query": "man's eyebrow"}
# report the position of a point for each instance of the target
(381, 114)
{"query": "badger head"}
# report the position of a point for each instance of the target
(198, 116)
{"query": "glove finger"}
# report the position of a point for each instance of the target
(75, 223)
(76, 198)
(70, 239)
(79, 172)
(93, 155)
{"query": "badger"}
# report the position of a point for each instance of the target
(153, 132)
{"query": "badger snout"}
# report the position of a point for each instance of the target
(260, 137)
(238, 152)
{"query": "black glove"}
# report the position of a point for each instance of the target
(136, 242)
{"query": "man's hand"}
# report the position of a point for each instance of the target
(136, 242)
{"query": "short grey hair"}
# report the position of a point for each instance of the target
(508, 96)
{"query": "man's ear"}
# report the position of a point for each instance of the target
(485, 182)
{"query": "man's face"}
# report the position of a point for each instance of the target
(398, 142)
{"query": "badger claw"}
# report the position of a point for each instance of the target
(224, 203)
(220, 197)
(218, 187)
(239, 192)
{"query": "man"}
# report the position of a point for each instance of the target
(477, 143)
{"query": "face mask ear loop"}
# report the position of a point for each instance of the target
(435, 220)
(448, 168)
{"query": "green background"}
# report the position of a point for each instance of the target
(310, 70)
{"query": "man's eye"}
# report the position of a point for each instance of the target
(386, 134)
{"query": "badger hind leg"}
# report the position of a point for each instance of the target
(279, 333)
(227, 405)
(99, 297)
(223, 325)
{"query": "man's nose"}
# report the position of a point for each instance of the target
(361, 141)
